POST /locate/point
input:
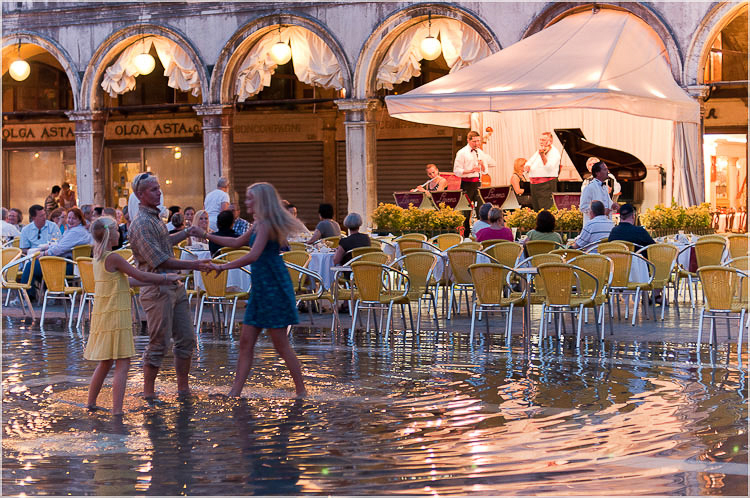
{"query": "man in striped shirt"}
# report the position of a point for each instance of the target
(596, 229)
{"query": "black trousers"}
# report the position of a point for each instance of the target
(541, 194)
(472, 192)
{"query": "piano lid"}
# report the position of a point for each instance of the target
(624, 166)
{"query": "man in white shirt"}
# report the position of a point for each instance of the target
(542, 169)
(470, 163)
(6, 229)
(597, 190)
(613, 186)
(216, 201)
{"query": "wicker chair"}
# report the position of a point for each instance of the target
(599, 266)
(559, 281)
(88, 284)
(417, 236)
(537, 294)
(505, 253)
(713, 236)
(332, 242)
(491, 242)
(313, 293)
(222, 251)
(234, 255)
(621, 285)
(297, 259)
(604, 246)
(493, 294)
(709, 251)
(460, 260)
(567, 253)
(445, 241)
(534, 247)
(376, 290)
(53, 273)
(297, 246)
(720, 289)
(82, 251)
(216, 293)
(739, 245)
(12, 260)
(127, 253)
(664, 259)
(419, 266)
(471, 245)
(359, 251)
(409, 243)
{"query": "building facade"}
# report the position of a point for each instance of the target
(216, 105)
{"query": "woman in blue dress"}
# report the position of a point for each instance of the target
(271, 305)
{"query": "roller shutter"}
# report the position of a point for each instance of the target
(294, 168)
(401, 165)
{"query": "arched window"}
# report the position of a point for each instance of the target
(46, 89)
(727, 59)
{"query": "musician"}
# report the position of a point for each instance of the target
(613, 186)
(542, 169)
(470, 163)
(436, 183)
(596, 190)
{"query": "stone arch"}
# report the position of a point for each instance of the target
(234, 51)
(554, 11)
(712, 23)
(376, 46)
(118, 41)
(56, 50)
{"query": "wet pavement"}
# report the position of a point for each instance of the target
(642, 414)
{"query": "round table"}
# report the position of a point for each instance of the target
(237, 279)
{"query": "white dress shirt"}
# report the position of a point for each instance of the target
(611, 182)
(466, 159)
(538, 169)
(594, 191)
(212, 204)
(8, 230)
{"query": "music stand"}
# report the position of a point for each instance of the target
(565, 200)
(501, 196)
(454, 199)
(421, 200)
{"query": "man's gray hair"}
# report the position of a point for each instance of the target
(141, 180)
(484, 211)
(87, 209)
(597, 208)
(353, 221)
(223, 182)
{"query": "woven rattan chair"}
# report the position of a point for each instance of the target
(534, 247)
(460, 259)
(720, 289)
(474, 246)
(493, 294)
(82, 251)
(709, 251)
(567, 253)
(664, 258)
(222, 251)
(377, 290)
(605, 246)
(408, 243)
(419, 266)
(12, 260)
(621, 285)
(332, 242)
(445, 241)
(216, 294)
(88, 285)
(417, 236)
(599, 266)
(359, 251)
(713, 236)
(537, 293)
(53, 273)
(490, 242)
(314, 292)
(233, 255)
(505, 253)
(297, 246)
(127, 253)
(560, 280)
(739, 245)
(301, 259)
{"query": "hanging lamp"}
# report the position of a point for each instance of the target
(280, 52)
(430, 47)
(19, 69)
(144, 62)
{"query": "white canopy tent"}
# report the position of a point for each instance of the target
(605, 72)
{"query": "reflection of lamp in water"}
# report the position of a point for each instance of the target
(19, 69)
(280, 52)
(177, 153)
(36, 155)
(430, 47)
(144, 62)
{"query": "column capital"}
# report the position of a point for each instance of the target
(357, 104)
(85, 115)
(213, 109)
(698, 91)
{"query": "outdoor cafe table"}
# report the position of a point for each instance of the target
(322, 264)
(237, 279)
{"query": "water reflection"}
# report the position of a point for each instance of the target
(434, 416)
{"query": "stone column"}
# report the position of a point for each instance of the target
(217, 144)
(699, 93)
(361, 155)
(90, 166)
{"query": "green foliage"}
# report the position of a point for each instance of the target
(566, 220)
(677, 217)
(393, 218)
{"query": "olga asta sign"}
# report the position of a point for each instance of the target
(115, 130)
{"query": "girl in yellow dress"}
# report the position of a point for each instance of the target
(111, 336)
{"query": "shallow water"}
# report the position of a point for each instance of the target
(433, 417)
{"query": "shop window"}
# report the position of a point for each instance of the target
(32, 173)
(728, 56)
(180, 172)
(46, 89)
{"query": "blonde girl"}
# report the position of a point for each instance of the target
(271, 304)
(200, 219)
(111, 336)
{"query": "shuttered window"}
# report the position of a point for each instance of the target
(401, 165)
(294, 168)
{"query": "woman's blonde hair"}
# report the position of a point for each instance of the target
(267, 207)
(197, 216)
(100, 232)
(518, 165)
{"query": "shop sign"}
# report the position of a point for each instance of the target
(725, 112)
(277, 127)
(161, 128)
(39, 132)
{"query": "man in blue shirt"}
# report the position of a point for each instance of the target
(596, 229)
(39, 232)
(627, 230)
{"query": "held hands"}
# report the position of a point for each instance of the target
(217, 268)
(204, 265)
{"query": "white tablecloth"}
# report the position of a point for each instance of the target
(321, 263)
(237, 280)
(639, 269)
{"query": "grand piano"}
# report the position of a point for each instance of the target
(626, 168)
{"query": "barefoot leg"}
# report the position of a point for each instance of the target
(281, 343)
(248, 338)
